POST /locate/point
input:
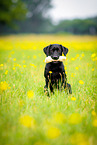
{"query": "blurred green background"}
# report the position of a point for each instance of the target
(29, 16)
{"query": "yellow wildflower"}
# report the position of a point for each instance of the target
(6, 72)
(79, 139)
(27, 121)
(76, 68)
(59, 118)
(30, 94)
(81, 82)
(72, 75)
(50, 72)
(23, 61)
(82, 55)
(33, 65)
(14, 59)
(92, 69)
(93, 113)
(94, 122)
(75, 118)
(13, 68)
(1, 65)
(24, 66)
(53, 132)
(93, 55)
(4, 86)
(34, 56)
(73, 58)
(73, 98)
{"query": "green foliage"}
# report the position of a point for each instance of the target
(12, 10)
(78, 26)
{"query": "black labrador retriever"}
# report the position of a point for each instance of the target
(54, 71)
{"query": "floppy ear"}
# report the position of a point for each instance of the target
(64, 50)
(46, 50)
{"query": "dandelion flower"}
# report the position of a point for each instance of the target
(30, 94)
(73, 98)
(79, 139)
(34, 56)
(75, 118)
(93, 113)
(24, 66)
(50, 72)
(4, 86)
(6, 72)
(92, 69)
(94, 122)
(14, 59)
(81, 82)
(53, 132)
(27, 121)
(1, 65)
(76, 68)
(93, 55)
(59, 118)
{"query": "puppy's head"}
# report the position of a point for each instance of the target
(55, 50)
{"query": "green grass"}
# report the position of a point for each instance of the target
(59, 120)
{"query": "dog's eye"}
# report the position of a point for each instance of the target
(51, 50)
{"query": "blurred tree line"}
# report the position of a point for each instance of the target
(28, 16)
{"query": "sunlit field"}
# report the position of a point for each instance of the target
(27, 115)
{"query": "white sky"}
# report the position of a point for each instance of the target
(69, 9)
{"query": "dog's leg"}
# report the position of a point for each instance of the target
(51, 88)
(46, 87)
(69, 88)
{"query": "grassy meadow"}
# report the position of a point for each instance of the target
(27, 115)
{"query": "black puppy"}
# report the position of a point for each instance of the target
(54, 71)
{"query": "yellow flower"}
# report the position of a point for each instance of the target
(50, 72)
(30, 94)
(93, 113)
(24, 66)
(33, 65)
(76, 68)
(34, 56)
(73, 98)
(6, 72)
(1, 65)
(82, 55)
(79, 139)
(13, 68)
(73, 59)
(93, 55)
(75, 118)
(92, 69)
(23, 61)
(59, 118)
(27, 121)
(4, 86)
(81, 82)
(53, 132)
(72, 75)
(14, 59)
(94, 122)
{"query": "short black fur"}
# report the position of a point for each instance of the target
(54, 71)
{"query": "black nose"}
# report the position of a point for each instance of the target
(55, 57)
